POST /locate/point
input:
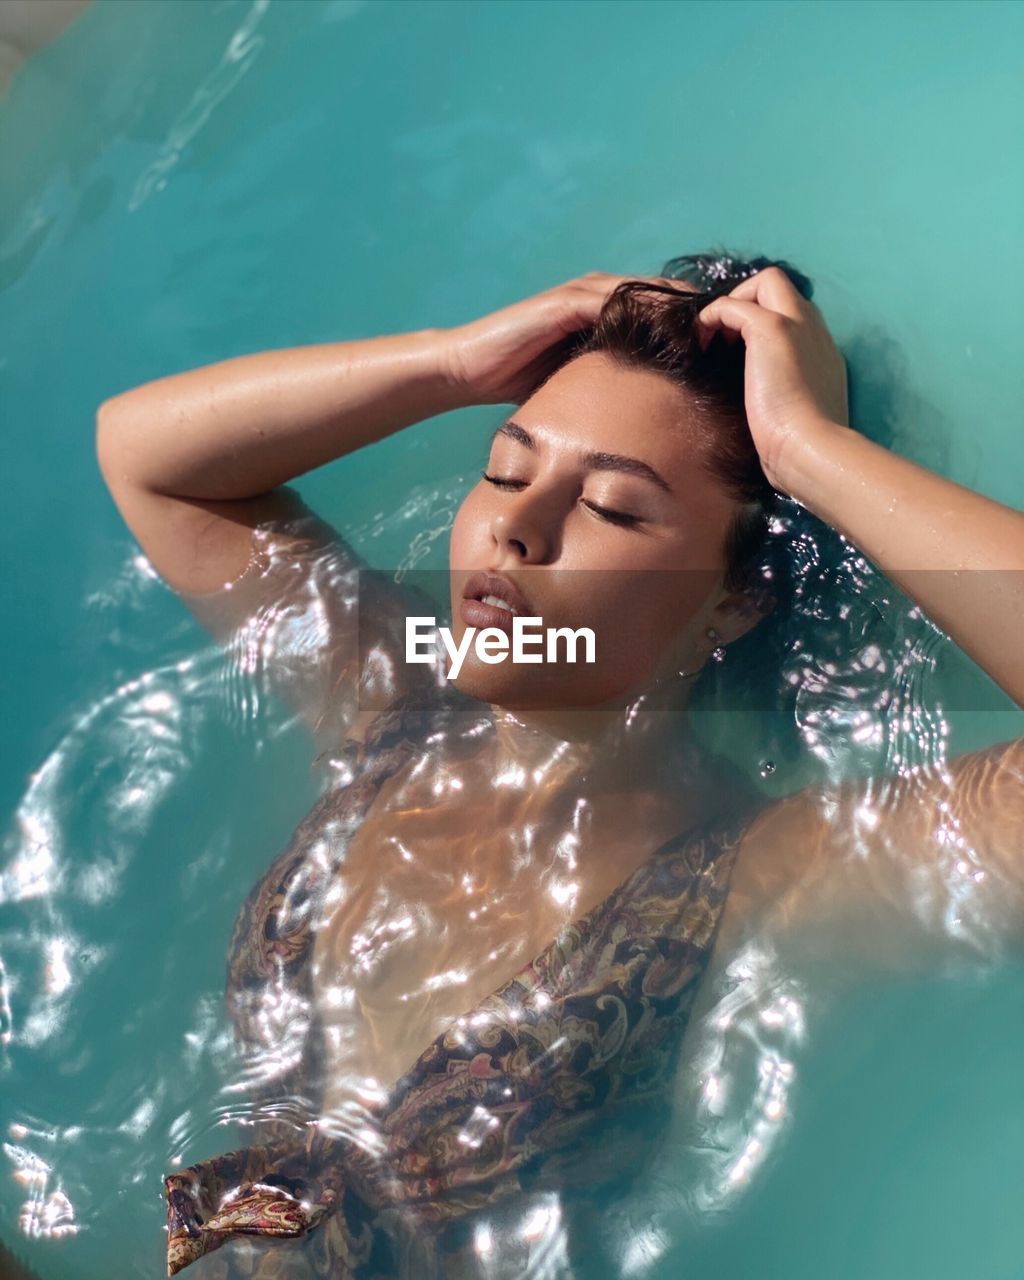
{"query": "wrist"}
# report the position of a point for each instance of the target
(815, 463)
(441, 377)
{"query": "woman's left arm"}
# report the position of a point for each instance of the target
(957, 554)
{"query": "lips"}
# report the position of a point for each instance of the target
(477, 614)
(496, 584)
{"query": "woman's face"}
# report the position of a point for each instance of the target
(595, 436)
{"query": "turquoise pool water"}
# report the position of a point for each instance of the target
(186, 182)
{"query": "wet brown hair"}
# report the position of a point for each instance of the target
(652, 326)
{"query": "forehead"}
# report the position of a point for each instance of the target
(594, 403)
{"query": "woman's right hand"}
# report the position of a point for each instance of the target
(503, 357)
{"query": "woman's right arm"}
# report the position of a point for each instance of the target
(195, 460)
(198, 461)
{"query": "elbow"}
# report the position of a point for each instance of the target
(102, 437)
(108, 438)
(106, 414)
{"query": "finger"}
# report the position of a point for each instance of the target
(731, 315)
(773, 290)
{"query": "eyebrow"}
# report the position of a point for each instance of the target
(595, 461)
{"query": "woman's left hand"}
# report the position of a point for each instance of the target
(795, 376)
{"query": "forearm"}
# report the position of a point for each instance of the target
(957, 554)
(242, 426)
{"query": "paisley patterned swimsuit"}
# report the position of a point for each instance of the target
(584, 1038)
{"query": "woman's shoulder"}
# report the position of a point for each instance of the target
(321, 629)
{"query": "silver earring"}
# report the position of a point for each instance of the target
(718, 653)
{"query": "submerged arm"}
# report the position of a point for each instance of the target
(904, 874)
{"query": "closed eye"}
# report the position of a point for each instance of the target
(614, 517)
(604, 513)
(502, 484)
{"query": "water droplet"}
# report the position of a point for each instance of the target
(767, 768)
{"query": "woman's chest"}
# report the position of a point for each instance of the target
(427, 898)
(438, 905)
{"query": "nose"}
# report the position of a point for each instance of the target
(528, 524)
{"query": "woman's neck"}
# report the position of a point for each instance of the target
(595, 750)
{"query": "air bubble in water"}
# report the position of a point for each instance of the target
(767, 768)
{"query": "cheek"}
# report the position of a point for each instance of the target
(458, 535)
(468, 532)
(642, 613)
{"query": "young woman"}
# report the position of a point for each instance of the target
(490, 936)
